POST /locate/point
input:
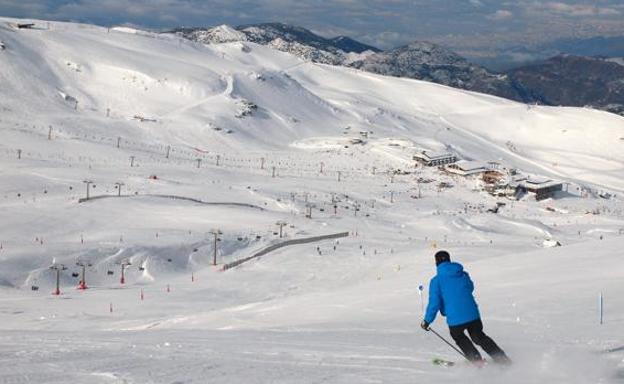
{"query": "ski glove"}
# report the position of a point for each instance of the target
(424, 325)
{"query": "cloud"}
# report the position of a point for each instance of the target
(580, 10)
(384, 23)
(501, 14)
(23, 8)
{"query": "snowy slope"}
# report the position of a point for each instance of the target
(267, 136)
(199, 87)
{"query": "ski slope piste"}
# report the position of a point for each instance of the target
(88, 111)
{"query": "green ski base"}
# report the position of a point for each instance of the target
(442, 362)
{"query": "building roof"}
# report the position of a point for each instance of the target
(433, 156)
(437, 156)
(539, 183)
(537, 180)
(470, 165)
(466, 168)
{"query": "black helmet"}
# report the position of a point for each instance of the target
(442, 257)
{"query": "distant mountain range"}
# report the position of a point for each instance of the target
(430, 62)
(574, 80)
(561, 80)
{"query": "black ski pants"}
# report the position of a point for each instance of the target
(475, 330)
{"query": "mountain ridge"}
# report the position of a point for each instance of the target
(419, 60)
(556, 81)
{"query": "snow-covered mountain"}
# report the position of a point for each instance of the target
(431, 62)
(125, 150)
(216, 35)
(283, 37)
(574, 80)
(273, 99)
(419, 60)
(425, 61)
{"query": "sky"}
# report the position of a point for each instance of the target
(466, 25)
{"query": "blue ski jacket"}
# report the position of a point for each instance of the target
(450, 292)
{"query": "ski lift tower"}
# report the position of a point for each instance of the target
(118, 186)
(58, 268)
(215, 233)
(124, 264)
(88, 183)
(83, 281)
(281, 225)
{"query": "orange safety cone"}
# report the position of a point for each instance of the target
(82, 285)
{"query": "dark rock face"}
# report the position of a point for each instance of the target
(574, 81)
(430, 62)
(267, 32)
(347, 44)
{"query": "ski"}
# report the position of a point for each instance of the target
(442, 362)
(447, 363)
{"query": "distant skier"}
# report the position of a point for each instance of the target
(450, 292)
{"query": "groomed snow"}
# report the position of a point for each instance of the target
(268, 136)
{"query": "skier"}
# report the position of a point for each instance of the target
(450, 292)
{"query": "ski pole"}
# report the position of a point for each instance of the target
(449, 344)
